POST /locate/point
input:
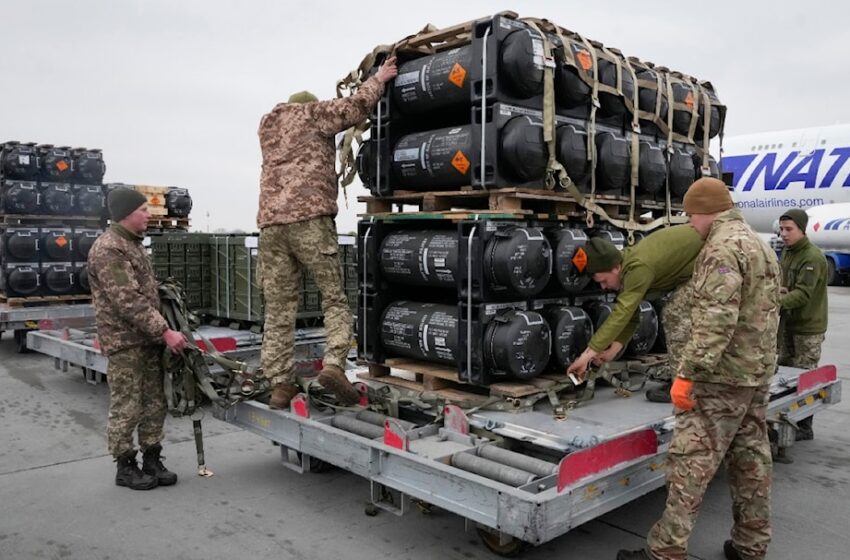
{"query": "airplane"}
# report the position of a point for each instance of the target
(808, 168)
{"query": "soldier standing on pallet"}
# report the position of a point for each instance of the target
(298, 193)
(662, 262)
(721, 389)
(133, 335)
(804, 303)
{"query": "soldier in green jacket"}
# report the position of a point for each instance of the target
(804, 304)
(661, 263)
(721, 389)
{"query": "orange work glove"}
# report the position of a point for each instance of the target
(680, 393)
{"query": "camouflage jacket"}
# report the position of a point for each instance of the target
(298, 180)
(124, 292)
(735, 313)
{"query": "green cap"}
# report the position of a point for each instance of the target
(602, 255)
(123, 201)
(302, 97)
(797, 216)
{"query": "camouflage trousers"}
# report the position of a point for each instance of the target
(136, 398)
(799, 350)
(676, 318)
(727, 424)
(285, 250)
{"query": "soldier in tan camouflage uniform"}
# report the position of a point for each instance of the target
(132, 334)
(722, 385)
(298, 193)
(805, 308)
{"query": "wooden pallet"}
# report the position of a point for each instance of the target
(443, 381)
(164, 222)
(516, 203)
(437, 40)
(35, 301)
(48, 219)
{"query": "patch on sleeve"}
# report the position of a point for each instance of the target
(119, 275)
(810, 268)
(724, 270)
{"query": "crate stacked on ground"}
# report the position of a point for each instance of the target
(51, 205)
(219, 273)
(169, 206)
(467, 112)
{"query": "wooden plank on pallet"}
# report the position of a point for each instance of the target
(424, 368)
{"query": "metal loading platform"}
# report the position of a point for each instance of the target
(521, 478)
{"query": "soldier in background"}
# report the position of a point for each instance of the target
(132, 334)
(662, 262)
(721, 389)
(804, 302)
(298, 193)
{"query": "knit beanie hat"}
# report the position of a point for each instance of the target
(707, 195)
(302, 97)
(602, 255)
(123, 201)
(798, 216)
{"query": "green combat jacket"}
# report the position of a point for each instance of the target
(661, 262)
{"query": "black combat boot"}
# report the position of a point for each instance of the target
(152, 465)
(633, 555)
(129, 474)
(660, 394)
(731, 552)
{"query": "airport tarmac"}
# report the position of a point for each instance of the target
(58, 498)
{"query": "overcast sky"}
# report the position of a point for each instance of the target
(172, 91)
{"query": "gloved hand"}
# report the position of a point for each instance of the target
(680, 393)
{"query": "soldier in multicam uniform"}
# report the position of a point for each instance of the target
(804, 301)
(662, 262)
(132, 334)
(298, 194)
(722, 385)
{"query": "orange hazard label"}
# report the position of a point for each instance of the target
(460, 162)
(457, 75)
(580, 259)
(154, 201)
(585, 60)
(61, 241)
(689, 100)
(61, 165)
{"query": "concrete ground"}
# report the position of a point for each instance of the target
(58, 498)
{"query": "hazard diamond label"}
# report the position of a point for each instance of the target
(460, 162)
(457, 75)
(580, 259)
(155, 201)
(689, 100)
(61, 241)
(61, 165)
(584, 60)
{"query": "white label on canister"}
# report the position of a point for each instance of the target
(252, 242)
(23, 160)
(406, 154)
(407, 78)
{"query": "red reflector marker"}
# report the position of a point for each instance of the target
(598, 458)
(819, 376)
(299, 406)
(395, 435)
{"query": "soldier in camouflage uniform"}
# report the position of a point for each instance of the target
(132, 334)
(804, 301)
(663, 261)
(722, 385)
(298, 193)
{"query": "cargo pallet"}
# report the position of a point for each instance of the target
(418, 376)
(518, 203)
(164, 223)
(22, 319)
(32, 301)
(48, 220)
(545, 475)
